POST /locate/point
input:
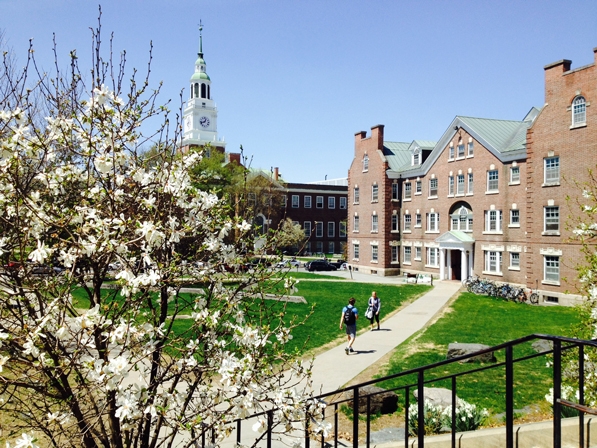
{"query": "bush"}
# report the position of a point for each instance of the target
(432, 420)
(468, 417)
(436, 420)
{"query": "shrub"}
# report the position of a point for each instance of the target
(468, 417)
(432, 420)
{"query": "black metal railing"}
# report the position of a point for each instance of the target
(424, 376)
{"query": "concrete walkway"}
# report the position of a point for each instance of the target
(333, 368)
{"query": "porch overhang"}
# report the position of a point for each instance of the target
(455, 239)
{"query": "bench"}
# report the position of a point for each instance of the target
(408, 277)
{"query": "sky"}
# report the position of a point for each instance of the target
(295, 80)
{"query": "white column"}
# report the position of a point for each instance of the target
(463, 269)
(442, 257)
(470, 263)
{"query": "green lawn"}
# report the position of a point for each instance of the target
(489, 321)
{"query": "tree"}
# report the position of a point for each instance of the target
(289, 235)
(82, 364)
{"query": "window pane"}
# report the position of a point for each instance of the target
(552, 170)
(492, 180)
(552, 219)
(552, 269)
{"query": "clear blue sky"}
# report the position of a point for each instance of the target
(295, 80)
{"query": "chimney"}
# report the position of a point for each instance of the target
(276, 173)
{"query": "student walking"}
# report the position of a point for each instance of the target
(349, 316)
(373, 309)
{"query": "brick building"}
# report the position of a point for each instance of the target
(488, 198)
(320, 208)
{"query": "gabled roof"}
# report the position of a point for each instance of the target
(455, 236)
(506, 139)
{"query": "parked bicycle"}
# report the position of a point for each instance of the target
(506, 291)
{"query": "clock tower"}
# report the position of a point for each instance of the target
(200, 115)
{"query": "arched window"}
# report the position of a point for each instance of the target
(196, 90)
(366, 163)
(203, 93)
(579, 111)
(461, 218)
(208, 92)
(417, 157)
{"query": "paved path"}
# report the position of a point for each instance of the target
(333, 368)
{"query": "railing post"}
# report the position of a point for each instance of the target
(581, 395)
(453, 412)
(557, 393)
(307, 437)
(509, 398)
(421, 408)
(406, 406)
(355, 418)
(335, 425)
(238, 432)
(270, 422)
(368, 418)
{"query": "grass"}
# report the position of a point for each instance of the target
(489, 321)
(329, 299)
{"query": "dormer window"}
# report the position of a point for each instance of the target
(579, 111)
(366, 163)
(417, 157)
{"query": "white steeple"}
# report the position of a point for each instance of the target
(200, 115)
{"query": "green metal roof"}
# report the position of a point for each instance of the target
(197, 76)
(397, 153)
(503, 135)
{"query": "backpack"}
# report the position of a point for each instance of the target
(349, 317)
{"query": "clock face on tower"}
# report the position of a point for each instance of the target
(204, 121)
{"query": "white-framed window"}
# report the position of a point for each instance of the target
(493, 262)
(418, 252)
(395, 223)
(417, 157)
(331, 247)
(355, 223)
(433, 187)
(552, 269)
(432, 257)
(394, 253)
(515, 175)
(514, 260)
(355, 250)
(407, 254)
(470, 183)
(552, 170)
(331, 229)
(471, 149)
(418, 220)
(492, 180)
(451, 152)
(407, 190)
(374, 193)
(579, 111)
(395, 192)
(493, 220)
(451, 185)
(342, 229)
(343, 202)
(366, 163)
(307, 228)
(331, 202)
(460, 149)
(307, 201)
(462, 220)
(319, 201)
(374, 252)
(374, 223)
(552, 219)
(407, 222)
(418, 187)
(515, 218)
(295, 201)
(356, 195)
(319, 229)
(252, 199)
(284, 201)
(460, 184)
(432, 222)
